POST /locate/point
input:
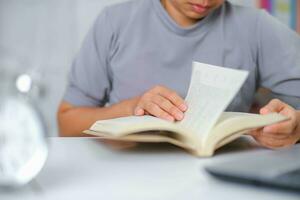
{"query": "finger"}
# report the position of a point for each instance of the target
(271, 142)
(167, 106)
(260, 133)
(277, 143)
(255, 132)
(173, 97)
(139, 111)
(274, 105)
(278, 136)
(286, 127)
(156, 111)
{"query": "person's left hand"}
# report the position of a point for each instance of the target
(281, 134)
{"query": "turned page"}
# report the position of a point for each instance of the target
(211, 90)
(123, 125)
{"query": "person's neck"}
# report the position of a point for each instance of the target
(177, 16)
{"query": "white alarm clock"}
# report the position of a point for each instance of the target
(23, 145)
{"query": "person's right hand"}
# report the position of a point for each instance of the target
(161, 102)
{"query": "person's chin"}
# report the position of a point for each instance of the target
(196, 16)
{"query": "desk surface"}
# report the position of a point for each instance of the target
(80, 168)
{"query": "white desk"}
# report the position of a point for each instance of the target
(87, 169)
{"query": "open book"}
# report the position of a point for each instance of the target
(205, 126)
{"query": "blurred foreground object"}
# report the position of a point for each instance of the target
(23, 145)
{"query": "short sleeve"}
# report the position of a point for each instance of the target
(89, 80)
(279, 59)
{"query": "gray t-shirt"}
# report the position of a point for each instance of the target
(136, 45)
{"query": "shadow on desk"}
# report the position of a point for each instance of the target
(243, 143)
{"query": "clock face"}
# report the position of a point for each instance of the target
(23, 147)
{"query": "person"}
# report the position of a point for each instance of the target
(137, 60)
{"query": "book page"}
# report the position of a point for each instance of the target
(211, 90)
(232, 125)
(125, 125)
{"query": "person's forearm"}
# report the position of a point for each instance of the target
(73, 120)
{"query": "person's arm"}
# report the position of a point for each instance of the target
(279, 70)
(90, 84)
(158, 101)
(73, 120)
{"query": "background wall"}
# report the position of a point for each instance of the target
(47, 34)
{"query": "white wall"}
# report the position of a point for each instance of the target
(48, 33)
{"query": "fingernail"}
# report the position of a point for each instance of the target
(179, 116)
(267, 129)
(264, 111)
(139, 111)
(169, 118)
(183, 107)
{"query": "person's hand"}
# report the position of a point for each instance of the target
(281, 134)
(161, 102)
